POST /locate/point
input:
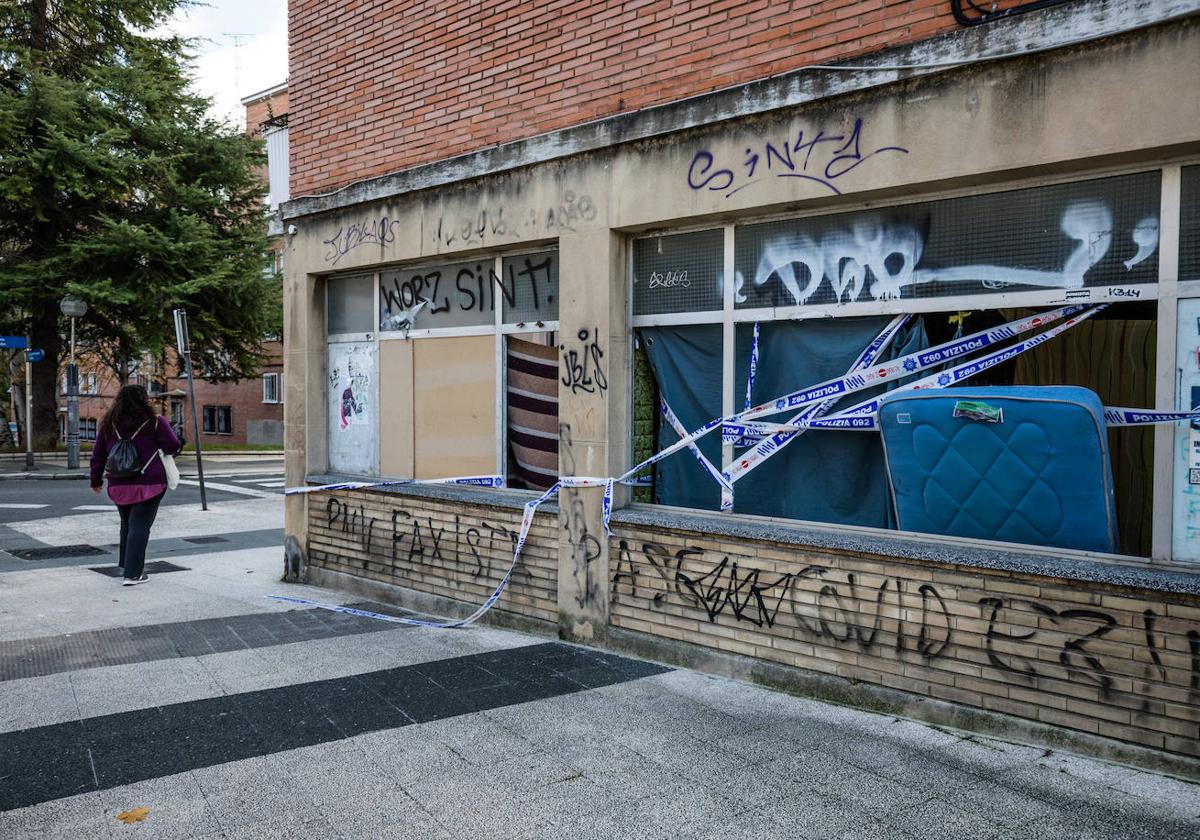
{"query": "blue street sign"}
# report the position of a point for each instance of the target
(35, 355)
(13, 342)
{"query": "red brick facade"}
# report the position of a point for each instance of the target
(382, 85)
(252, 420)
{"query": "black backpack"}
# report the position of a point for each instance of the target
(123, 457)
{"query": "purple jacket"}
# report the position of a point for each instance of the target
(155, 435)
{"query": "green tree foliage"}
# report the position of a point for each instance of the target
(117, 188)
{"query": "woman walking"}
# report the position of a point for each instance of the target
(136, 491)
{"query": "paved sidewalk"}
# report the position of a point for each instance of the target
(229, 715)
(44, 470)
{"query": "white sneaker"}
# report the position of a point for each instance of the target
(135, 581)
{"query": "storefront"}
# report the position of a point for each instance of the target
(1038, 218)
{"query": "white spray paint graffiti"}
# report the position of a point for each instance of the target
(881, 261)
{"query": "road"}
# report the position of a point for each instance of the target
(195, 706)
(224, 481)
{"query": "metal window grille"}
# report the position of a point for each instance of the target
(1095, 233)
(680, 272)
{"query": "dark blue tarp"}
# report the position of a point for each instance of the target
(825, 476)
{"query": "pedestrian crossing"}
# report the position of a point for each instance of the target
(258, 485)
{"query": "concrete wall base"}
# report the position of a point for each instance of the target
(423, 602)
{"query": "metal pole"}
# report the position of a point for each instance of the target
(72, 407)
(29, 409)
(187, 358)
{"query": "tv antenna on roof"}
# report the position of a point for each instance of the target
(240, 39)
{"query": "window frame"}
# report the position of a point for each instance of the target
(496, 328)
(215, 427)
(1165, 293)
(275, 378)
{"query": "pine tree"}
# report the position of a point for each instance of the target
(117, 188)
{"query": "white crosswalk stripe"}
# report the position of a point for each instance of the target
(20, 506)
(231, 488)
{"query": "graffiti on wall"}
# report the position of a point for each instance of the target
(499, 223)
(583, 363)
(350, 390)
(871, 260)
(893, 615)
(350, 394)
(452, 295)
(817, 157)
(413, 539)
(379, 231)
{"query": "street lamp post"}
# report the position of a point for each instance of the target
(73, 308)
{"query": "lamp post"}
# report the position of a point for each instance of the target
(73, 308)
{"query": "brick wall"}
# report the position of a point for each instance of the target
(245, 398)
(261, 110)
(1109, 661)
(444, 548)
(381, 85)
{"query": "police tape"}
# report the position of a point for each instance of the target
(814, 400)
(857, 417)
(813, 412)
(753, 365)
(473, 481)
(527, 515)
(708, 465)
(1114, 417)
(899, 368)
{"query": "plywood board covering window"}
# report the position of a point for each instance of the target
(396, 408)
(454, 406)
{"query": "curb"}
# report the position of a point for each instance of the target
(44, 476)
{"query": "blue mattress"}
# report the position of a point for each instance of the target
(1029, 465)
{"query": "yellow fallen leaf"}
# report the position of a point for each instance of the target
(133, 815)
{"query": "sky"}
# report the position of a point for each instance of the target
(225, 72)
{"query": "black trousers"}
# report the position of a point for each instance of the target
(135, 533)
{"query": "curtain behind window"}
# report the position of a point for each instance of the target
(825, 476)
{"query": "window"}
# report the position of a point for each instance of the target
(218, 420)
(349, 303)
(271, 390)
(464, 372)
(87, 383)
(87, 428)
(803, 297)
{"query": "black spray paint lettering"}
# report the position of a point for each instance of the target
(351, 520)
(583, 367)
(585, 550)
(1074, 654)
(381, 231)
(665, 567)
(750, 595)
(471, 289)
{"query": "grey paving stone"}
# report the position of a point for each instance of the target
(940, 818)
(75, 816)
(811, 770)
(814, 816)
(177, 807)
(37, 701)
(1182, 798)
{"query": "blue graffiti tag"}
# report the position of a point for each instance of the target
(838, 154)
